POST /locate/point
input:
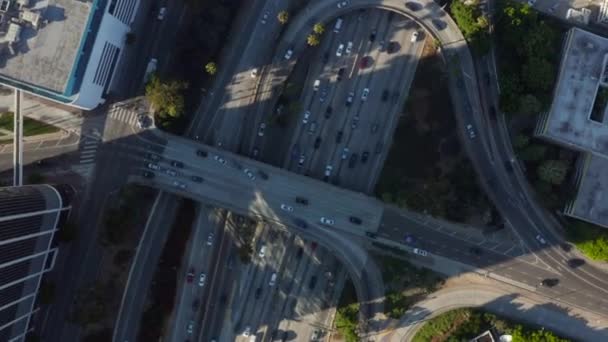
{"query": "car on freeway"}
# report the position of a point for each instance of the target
(210, 239)
(353, 160)
(273, 279)
(325, 57)
(364, 94)
(286, 207)
(342, 4)
(381, 45)
(258, 293)
(300, 223)
(265, 17)
(328, 170)
(365, 62)
(349, 48)
(249, 174)
(261, 129)
(574, 263)
(219, 159)
(327, 221)
(355, 123)
(161, 13)
(263, 174)
(355, 220)
(339, 137)
(345, 152)
(247, 331)
(153, 166)
(195, 304)
(201, 279)
(549, 282)
(197, 179)
(301, 200)
(340, 50)
(471, 131)
(328, 112)
(288, 54)
(323, 95)
(302, 159)
(201, 153)
(372, 36)
(392, 47)
(349, 98)
(148, 174)
(384, 96)
(190, 327)
(340, 74)
(420, 252)
(541, 239)
(371, 235)
(317, 143)
(262, 252)
(414, 37)
(312, 128)
(176, 163)
(171, 172)
(179, 184)
(316, 85)
(378, 147)
(190, 275)
(364, 157)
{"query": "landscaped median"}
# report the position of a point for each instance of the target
(466, 324)
(31, 127)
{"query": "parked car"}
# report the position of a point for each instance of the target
(345, 152)
(254, 73)
(349, 48)
(414, 37)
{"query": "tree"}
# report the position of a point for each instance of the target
(166, 97)
(553, 171)
(465, 17)
(313, 40)
(283, 17)
(530, 105)
(532, 153)
(511, 89)
(520, 141)
(211, 68)
(538, 74)
(318, 28)
(482, 22)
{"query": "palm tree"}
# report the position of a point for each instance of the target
(283, 17)
(211, 68)
(313, 40)
(318, 28)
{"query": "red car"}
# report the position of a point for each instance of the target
(190, 275)
(365, 62)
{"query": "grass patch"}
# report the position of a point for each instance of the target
(465, 324)
(31, 127)
(405, 284)
(590, 239)
(347, 314)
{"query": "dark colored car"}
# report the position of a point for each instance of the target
(302, 200)
(195, 305)
(353, 160)
(258, 293)
(312, 282)
(364, 157)
(493, 112)
(201, 153)
(340, 73)
(392, 47)
(299, 253)
(385, 94)
(176, 163)
(328, 112)
(300, 223)
(508, 166)
(263, 174)
(355, 220)
(372, 36)
(378, 147)
(317, 143)
(148, 174)
(339, 137)
(325, 57)
(371, 235)
(475, 250)
(365, 62)
(197, 179)
(549, 282)
(574, 263)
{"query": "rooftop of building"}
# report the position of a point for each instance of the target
(40, 40)
(572, 119)
(591, 202)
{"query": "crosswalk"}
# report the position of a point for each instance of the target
(88, 149)
(124, 114)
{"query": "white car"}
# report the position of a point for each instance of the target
(153, 166)
(201, 279)
(471, 131)
(327, 221)
(190, 327)
(342, 4)
(247, 331)
(286, 207)
(541, 239)
(254, 73)
(220, 159)
(179, 185)
(170, 172)
(210, 238)
(161, 13)
(350, 97)
(364, 94)
(340, 50)
(414, 37)
(345, 152)
(328, 170)
(302, 159)
(261, 129)
(249, 174)
(420, 252)
(265, 17)
(288, 54)
(349, 48)
(262, 251)
(306, 117)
